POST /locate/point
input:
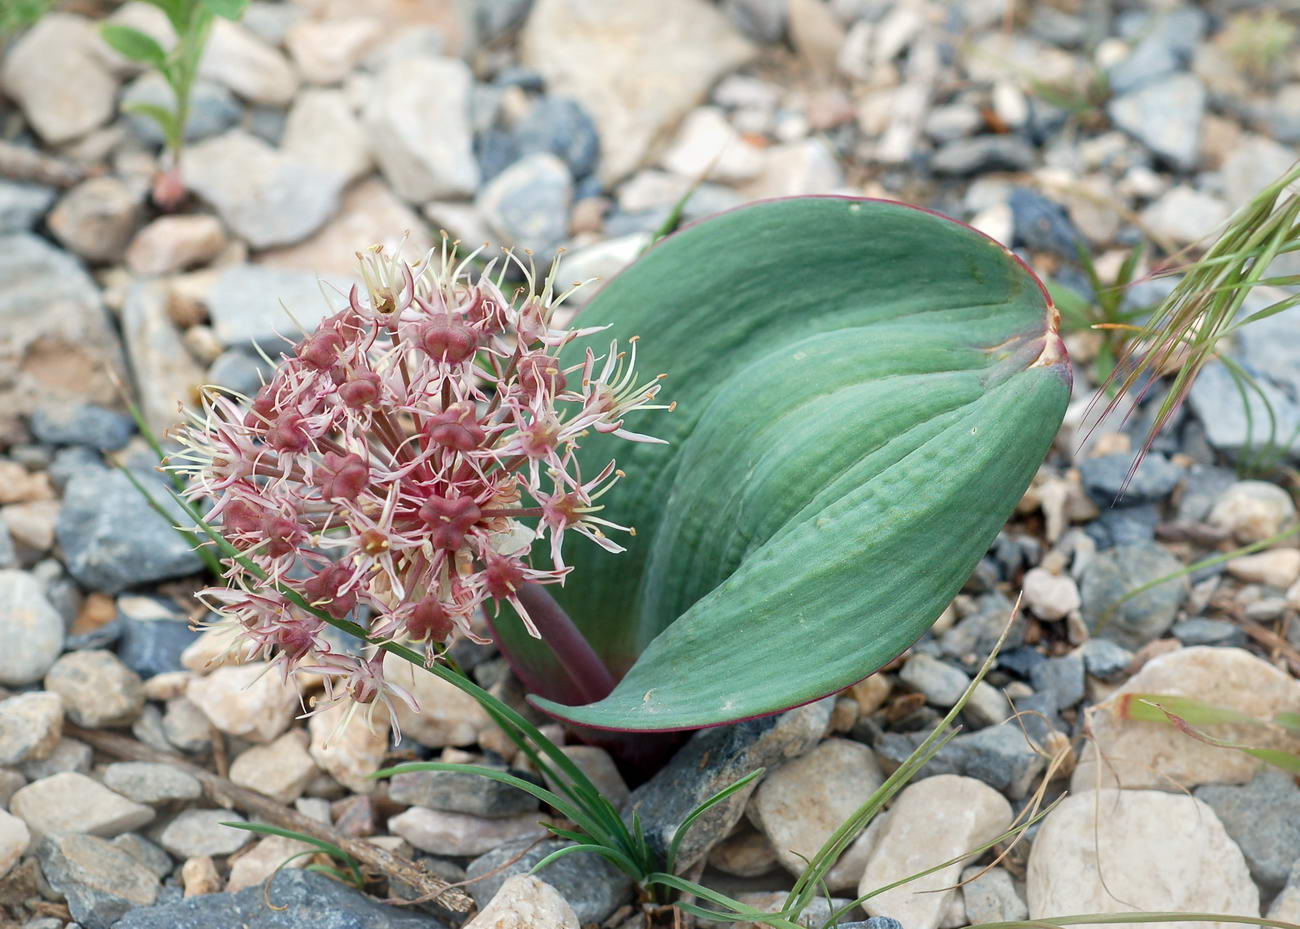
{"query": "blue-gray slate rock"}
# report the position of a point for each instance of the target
(712, 760)
(153, 646)
(22, 205)
(70, 461)
(875, 922)
(979, 154)
(1202, 631)
(1263, 818)
(1202, 486)
(590, 884)
(239, 370)
(1000, 756)
(213, 108)
(1106, 660)
(560, 126)
(1114, 573)
(1124, 525)
(111, 539)
(1164, 115)
(528, 203)
(101, 881)
(302, 900)
(1060, 679)
(82, 424)
(1105, 479)
(1043, 225)
(461, 792)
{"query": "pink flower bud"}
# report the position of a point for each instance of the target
(241, 516)
(448, 340)
(429, 620)
(322, 589)
(540, 375)
(321, 350)
(288, 433)
(503, 576)
(450, 519)
(362, 390)
(282, 532)
(455, 428)
(342, 476)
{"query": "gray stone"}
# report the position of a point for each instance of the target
(96, 688)
(30, 627)
(991, 897)
(1263, 818)
(1114, 573)
(1060, 679)
(1202, 631)
(1202, 486)
(71, 461)
(460, 792)
(145, 852)
(213, 108)
(97, 218)
(300, 900)
(57, 73)
(1106, 479)
(419, 122)
(1043, 225)
(247, 305)
(102, 882)
(68, 755)
(82, 424)
(1165, 116)
(153, 784)
(154, 646)
(30, 726)
(528, 204)
(238, 370)
(1105, 659)
(68, 350)
(166, 375)
(712, 760)
(1125, 525)
(1283, 114)
(199, 832)
(74, 803)
(941, 683)
(561, 127)
(111, 539)
(8, 553)
(593, 886)
(981, 154)
(22, 205)
(1233, 426)
(265, 196)
(1000, 756)
(761, 20)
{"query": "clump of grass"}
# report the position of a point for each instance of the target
(1258, 43)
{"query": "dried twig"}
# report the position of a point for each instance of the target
(224, 793)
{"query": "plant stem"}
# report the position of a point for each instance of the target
(575, 654)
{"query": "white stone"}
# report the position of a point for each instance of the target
(1277, 568)
(932, 820)
(525, 902)
(745, 853)
(326, 51)
(56, 75)
(322, 131)
(419, 122)
(30, 727)
(252, 701)
(173, 243)
(14, 839)
(1050, 596)
(200, 832)
(583, 47)
(267, 197)
(261, 861)
(165, 372)
(1185, 215)
(279, 769)
(71, 802)
(350, 745)
(96, 688)
(447, 715)
(795, 169)
(802, 802)
(596, 264)
(442, 833)
(1253, 510)
(31, 629)
(1156, 755)
(237, 58)
(707, 147)
(1118, 851)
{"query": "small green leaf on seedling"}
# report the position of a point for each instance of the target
(134, 44)
(226, 9)
(164, 117)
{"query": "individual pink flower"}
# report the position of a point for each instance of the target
(402, 461)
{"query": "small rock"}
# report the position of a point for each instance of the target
(591, 885)
(462, 792)
(96, 688)
(1200, 631)
(1060, 680)
(990, 896)
(712, 760)
(249, 700)
(10, 783)
(173, 243)
(527, 204)
(145, 852)
(326, 51)
(1115, 572)
(803, 801)
(245, 305)
(1254, 163)
(419, 122)
(1185, 215)
(96, 219)
(1106, 479)
(1253, 511)
(708, 147)
(1286, 905)
(238, 370)
(239, 59)
(152, 784)
(941, 683)
(931, 820)
(14, 839)
(271, 854)
(153, 646)
(100, 881)
(110, 537)
(1154, 754)
(1131, 850)
(325, 114)
(441, 833)
(600, 770)
(808, 166)
(981, 154)
(199, 876)
(524, 902)
(71, 802)
(30, 727)
(31, 629)
(745, 853)
(213, 109)
(1263, 818)
(55, 74)
(1165, 116)
(265, 196)
(199, 832)
(1042, 224)
(1050, 596)
(82, 424)
(1277, 568)
(68, 755)
(23, 204)
(447, 715)
(561, 127)
(300, 900)
(1106, 660)
(280, 769)
(349, 746)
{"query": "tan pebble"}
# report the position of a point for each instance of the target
(199, 876)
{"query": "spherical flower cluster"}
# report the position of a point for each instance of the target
(402, 461)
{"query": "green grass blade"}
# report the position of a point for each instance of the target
(703, 808)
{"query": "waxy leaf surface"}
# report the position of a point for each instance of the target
(864, 391)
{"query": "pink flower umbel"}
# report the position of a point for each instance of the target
(402, 462)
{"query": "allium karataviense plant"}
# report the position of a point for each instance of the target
(402, 461)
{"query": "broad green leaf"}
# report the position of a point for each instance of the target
(227, 9)
(864, 391)
(134, 44)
